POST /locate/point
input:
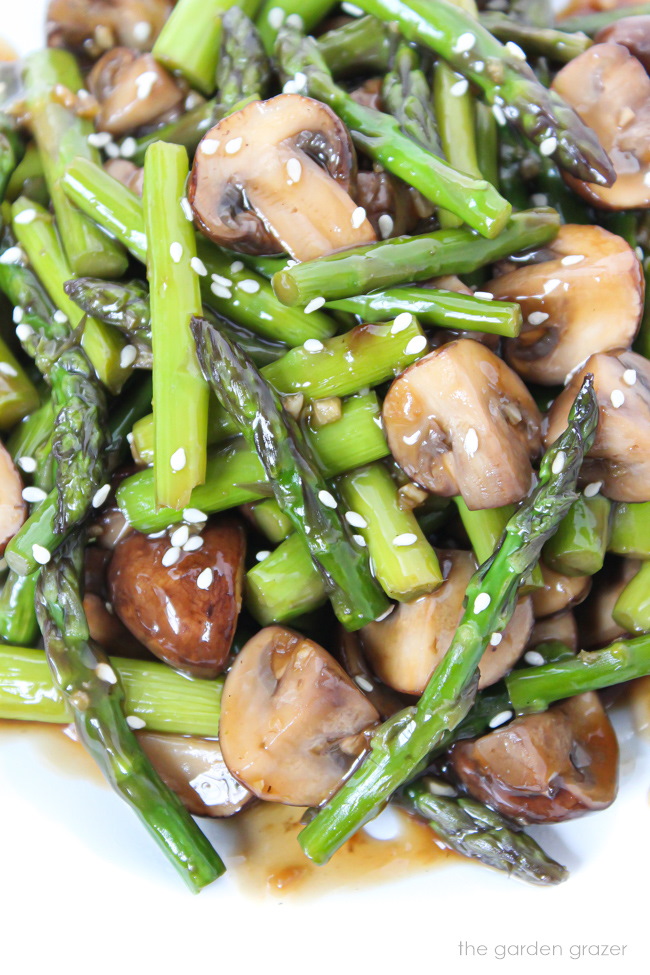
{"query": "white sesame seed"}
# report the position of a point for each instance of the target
(236, 267)
(141, 31)
(128, 355)
(276, 17)
(17, 315)
(220, 279)
(639, 252)
(194, 516)
(41, 554)
(500, 719)
(205, 578)
(327, 499)
(294, 169)
(106, 673)
(234, 145)
(25, 216)
(100, 495)
(208, 147)
(378, 619)
(351, 10)
(112, 150)
(471, 442)
(459, 88)
(99, 139)
(171, 556)
(478, 66)
(187, 209)
(617, 398)
(646, 178)
(386, 225)
(314, 305)
(295, 20)
(416, 345)
(175, 251)
(128, 147)
(515, 50)
(591, 490)
(464, 43)
(193, 543)
(558, 462)
(135, 723)
(537, 317)
(497, 111)
(571, 259)
(24, 331)
(263, 554)
(12, 255)
(198, 266)
(481, 602)
(485, 295)
(28, 464)
(360, 540)
(355, 519)
(358, 217)
(60, 317)
(313, 345)
(145, 82)
(178, 460)
(629, 377)
(402, 321)
(534, 658)
(405, 539)
(548, 146)
(219, 291)
(34, 495)
(539, 199)
(7, 370)
(179, 537)
(496, 639)
(363, 683)
(249, 286)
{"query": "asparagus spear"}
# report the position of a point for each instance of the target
(18, 622)
(556, 45)
(401, 743)
(487, 143)
(403, 260)
(92, 691)
(630, 530)
(28, 178)
(60, 135)
(303, 14)
(485, 529)
(243, 71)
(455, 113)
(361, 46)
(270, 520)
(472, 829)
(632, 608)
(11, 151)
(380, 136)
(591, 23)
(166, 700)
(32, 432)
(298, 486)
(506, 81)
(407, 96)
(579, 545)
(18, 395)
(285, 585)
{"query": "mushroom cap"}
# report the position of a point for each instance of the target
(585, 296)
(632, 33)
(405, 648)
(74, 23)
(292, 722)
(381, 194)
(544, 768)
(127, 173)
(620, 455)
(13, 509)
(595, 617)
(610, 90)
(133, 90)
(460, 421)
(559, 592)
(277, 176)
(562, 627)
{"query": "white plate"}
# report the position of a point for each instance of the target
(83, 888)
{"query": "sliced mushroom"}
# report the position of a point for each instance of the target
(544, 768)
(277, 176)
(127, 173)
(132, 90)
(183, 611)
(292, 722)
(562, 627)
(108, 631)
(595, 620)
(620, 456)
(405, 648)
(585, 296)
(369, 94)
(94, 26)
(194, 769)
(460, 421)
(610, 90)
(13, 509)
(384, 698)
(389, 203)
(632, 33)
(559, 592)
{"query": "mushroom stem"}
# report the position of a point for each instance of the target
(632, 609)
(630, 530)
(579, 545)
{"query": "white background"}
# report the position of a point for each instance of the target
(82, 887)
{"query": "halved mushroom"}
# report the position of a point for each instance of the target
(13, 509)
(133, 90)
(610, 90)
(559, 592)
(620, 455)
(595, 620)
(585, 296)
(94, 26)
(127, 173)
(391, 206)
(369, 94)
(632, 33)
(109, 631)
(277, 176)
(562, 627)
(194, 769)
(405, 648)
(460, 421)
(351, 655)
(292, 723)
(182, 605)
(544, 768)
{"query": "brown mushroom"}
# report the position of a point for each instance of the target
(351, 655)
(610, 90)
(595, 620)
(460, 421)
(132, 90)
(13, 508)
(94, 26)
(562, 627)
(183, 607)
(391, 206)
(368, 94)
(194, 769)
(127, 173)
(632, 33)
(585, 296)
(559, 592)
(108, 631)
(405, 648)
(620, 456)
(277, 176)
(544, 768)
(292, 722)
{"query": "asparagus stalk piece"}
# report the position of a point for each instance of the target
(487, 143)
(291, 468)
(454, 106)
(28, 178)
(472, 829)
(546, 42)
(269, 519)
(18, 395)
(433, 308)
(579, 545)
(303, 14)
(506, 81)
(92, 691)
(18, 622)
(380, 136)
(485, 529)
(361, 46)
(404, 741)
(243, 71)
(407, 96)
(179, 390)
(166, 700)
(591, 23)
(285, 585)
(632, 609)
(60, 135)
(630, 530)
(11, 151)
(403, 260)
(32, 432)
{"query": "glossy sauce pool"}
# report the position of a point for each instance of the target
(266, 856)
